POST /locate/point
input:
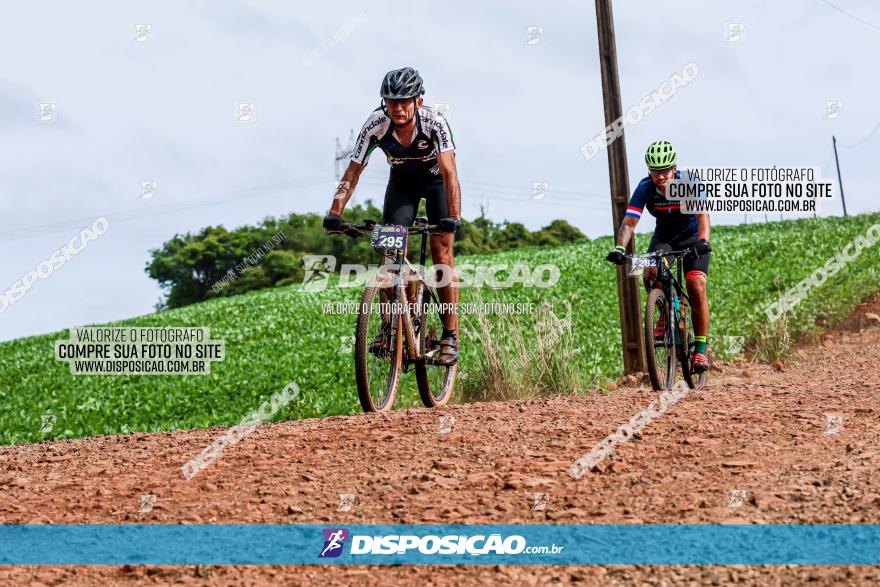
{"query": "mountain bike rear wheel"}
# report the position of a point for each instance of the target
(436, 382)
(694, 380)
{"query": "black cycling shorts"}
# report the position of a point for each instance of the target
(402, 197)
(690, 263)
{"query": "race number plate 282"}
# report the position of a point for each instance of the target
(639, 264)
(388, 237)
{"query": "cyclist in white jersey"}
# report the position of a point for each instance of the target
(417, 142)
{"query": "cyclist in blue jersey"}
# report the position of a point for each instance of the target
(417, 142)
(675, 230)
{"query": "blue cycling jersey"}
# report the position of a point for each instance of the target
(672, 224)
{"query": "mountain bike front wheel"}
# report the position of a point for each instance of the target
(378, 352)
(659, 351)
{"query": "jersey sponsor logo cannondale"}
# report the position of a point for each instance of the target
(441, 130)
(364, 133)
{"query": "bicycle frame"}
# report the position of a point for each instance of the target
(415, 353)
(673, 290)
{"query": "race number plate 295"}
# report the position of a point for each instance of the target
(388, 237)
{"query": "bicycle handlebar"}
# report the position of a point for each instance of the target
(357, 230)
(659, 254)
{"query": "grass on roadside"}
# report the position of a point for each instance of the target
(514, 365)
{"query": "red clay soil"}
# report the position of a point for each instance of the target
(754, 429)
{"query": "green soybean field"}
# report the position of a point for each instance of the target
(274, 337)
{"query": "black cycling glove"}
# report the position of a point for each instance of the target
(701, 247)
(616, 256)
(333, 222)
(448, 224)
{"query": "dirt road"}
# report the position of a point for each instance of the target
(756, 446)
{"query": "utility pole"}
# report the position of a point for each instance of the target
(628, 288)
(839, 180)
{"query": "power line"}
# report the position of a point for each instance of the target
(871, 134)
(514, 193)
(520, 195)
(575, 197)
(128, 214)
(549, 198)
(516, 187)
(852, 16)
(543, 202)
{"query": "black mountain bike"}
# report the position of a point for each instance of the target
(669, 335)
(398, 325)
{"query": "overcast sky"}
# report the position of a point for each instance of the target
(162, 106)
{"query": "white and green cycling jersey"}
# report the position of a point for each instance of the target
(419, 159)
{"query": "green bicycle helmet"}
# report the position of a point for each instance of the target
(660, 155)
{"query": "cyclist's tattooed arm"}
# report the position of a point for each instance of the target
(446, 159)
(627, 228)
(345, 188)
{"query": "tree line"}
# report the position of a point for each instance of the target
(216, 262)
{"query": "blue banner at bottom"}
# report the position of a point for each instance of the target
(644, 544)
